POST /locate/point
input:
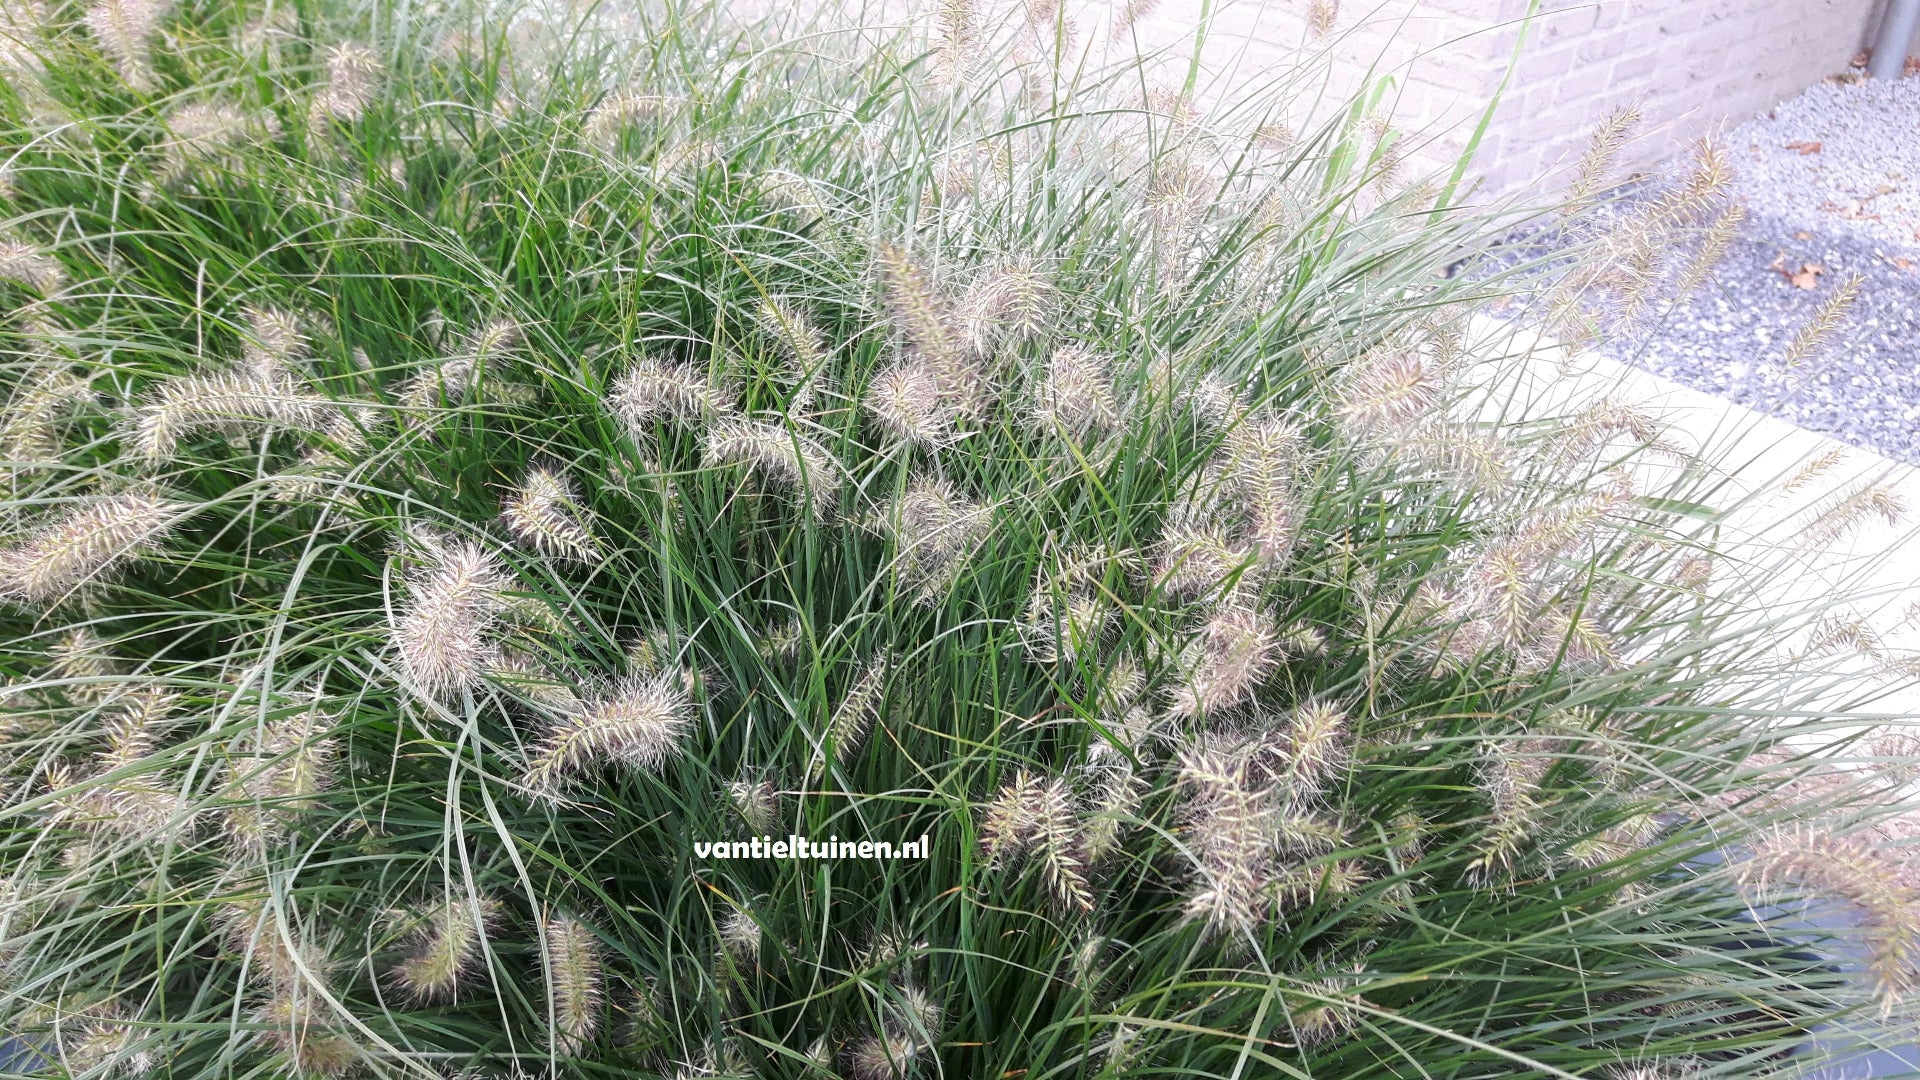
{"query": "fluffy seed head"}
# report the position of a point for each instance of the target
(272, 341)
(1076, 394)
(756, 801)
(1819, 331)
(236, 402)
(906, 400)
(574, 980)
(854, 719)
(353, 77)
(1387, 392)
(1235, 651)
(29, 266)
(652, 390)
(544, 514)
(123, 29)
(874, 1058)
(31, 425)
(443, 631)
(1851, 870)
(640, 722)
(934, 530)
(1196, 560)
(1036, 819)
(206, 134)
(803, 348)
(1259, 457)
(1603, 150)
(617, 113)
(446, 940)
(81, 544)
(778, 454)
(1844, 516)
(740, 937)
(1230, 836)
(1014, 301)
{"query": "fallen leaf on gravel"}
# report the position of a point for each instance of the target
(1807, 276)
(1805, 148)
(1803, 235)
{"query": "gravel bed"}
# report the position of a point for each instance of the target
(1831, 182)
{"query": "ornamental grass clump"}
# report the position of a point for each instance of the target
(460, 464)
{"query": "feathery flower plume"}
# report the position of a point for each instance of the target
(802, 346)
(1844, 516)
(1510, 787)
(740, 938)
(1061, 627)
(1130, 15)
(1229, 827)
(785, 642)
(1588, 430)
(1819, 331)
(1196, 560)
(453, 601)
(29, 266)
(1113, 800)
(1383, 393)
(23, 26)
(1261, 453)
(353, 77)
(235, 402)
(618, 112)
(756, 801)
(652, 390)
(1317, 749)
(1814, 469)
(905, 398)
(453, 376)
(1013, 302)
(956, 38)
(1849, 869)
(545, 514)
(283, 953)
(444, 942)
(260, 36)
(285, 767)
(778, 454)
(80, 657)
(934, 530)
(1035, 818)
(82, 544)
(1719, 236)
(30, 428)
(854, 719)
(1711, 177)
(1235, 651)
(1603, 150)
(933, 333)
(203, 135)
(1321, 16)
(639, 722)
(123, 29)
(1076, 394)
(272, 341)
(793, 194)
(1316, 1019)
(875, 1058)
(574, 980)
(309, 1043)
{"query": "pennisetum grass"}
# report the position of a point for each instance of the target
(458, 460)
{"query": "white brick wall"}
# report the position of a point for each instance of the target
(1692, 66)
